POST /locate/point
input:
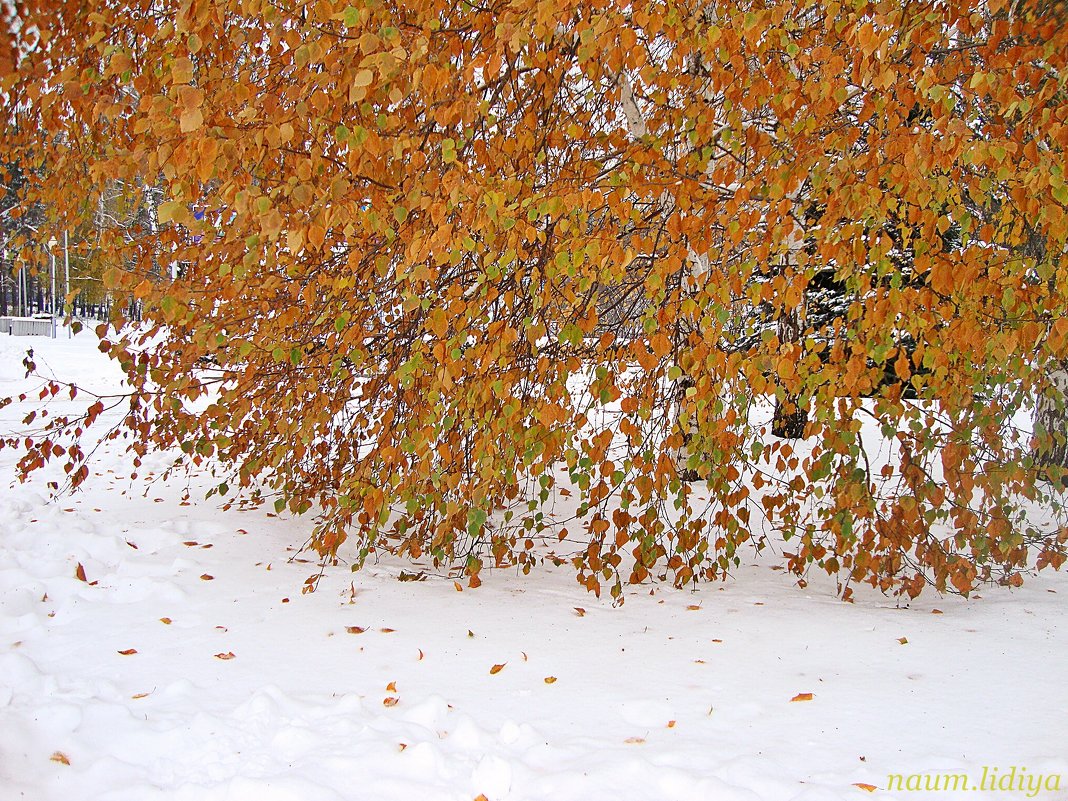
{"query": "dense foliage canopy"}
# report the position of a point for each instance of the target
(425, 267)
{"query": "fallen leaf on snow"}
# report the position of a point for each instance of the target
(206, 577)
(355, 629)
(802, 697)
(386, 631)
(671, 724)
(634, 740)
(497, 669)
(139, 696)
(60, 757)
(580, 611)
(936, 611)
(128, 652)
(871, 788)
(459, 587)
(550, 679)
(79, 573)
(903, 640)
(227, 655)
(391, 701)
(391, 687)
(420, 654)
(694, 607)
(165, 621)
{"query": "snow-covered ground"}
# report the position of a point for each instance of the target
(189, 665)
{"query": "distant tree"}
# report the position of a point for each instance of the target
(451, 253)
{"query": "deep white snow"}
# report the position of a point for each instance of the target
(371, 688)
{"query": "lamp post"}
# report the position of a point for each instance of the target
(66, 280)
(52, 273)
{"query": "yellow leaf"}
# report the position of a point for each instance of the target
(802, 697)
(871, 788)
(550, 679)
(363, 78)
(60, 757)
(191, 119)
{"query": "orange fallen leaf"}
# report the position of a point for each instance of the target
(401, 746)
(717, 640)
(634, 740)
(524, 653)
(458, 586)
(420, 654)
(550, 679)
(903, 640)
(391, 701)
(79, 573)
(391, 687)
(580, 611)
(871, 788)
(802, 697)
(190, 543)
(497, 669)
(355, 629)
(139, 696)
(694, 607)
(481, 797)
(386, 631)
(128, 652)
(671, 724)
(165, 621)
(60, 757)
(206, 577)
(227, 655)
(936, 611)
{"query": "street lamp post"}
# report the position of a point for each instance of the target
(52, 256)
(66, 279)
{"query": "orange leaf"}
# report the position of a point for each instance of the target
(458, 586)
(390, 701)
(497, 669)
(206, 577)
(580, 611)
(227, 655)
(550, 679)
(391, 687)
(128, 652)
(355, 629)
(871, 788)
(903, 640)
(60, 757)
(79, 573)
(165, 620)
(802, 697)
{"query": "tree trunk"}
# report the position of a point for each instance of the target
(790, 416)
(1051, 425)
